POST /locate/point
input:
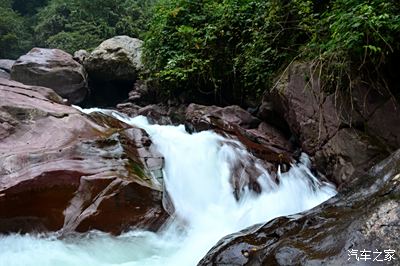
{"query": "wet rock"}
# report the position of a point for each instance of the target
(129, 108)
(268, 145)
(64, 170)
(266, 142)
(118, 58)
(54, 69)
(156, 113)
(366, 216)
(200, 116)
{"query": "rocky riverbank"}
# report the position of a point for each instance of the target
(64, 170)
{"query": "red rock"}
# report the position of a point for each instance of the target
(269, 147)
(63, 170)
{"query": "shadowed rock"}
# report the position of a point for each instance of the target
(345, 132)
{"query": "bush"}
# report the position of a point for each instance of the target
(84, 24)
(228, 49)
(14, 33)
(356, 38)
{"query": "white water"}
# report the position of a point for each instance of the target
(196, 175)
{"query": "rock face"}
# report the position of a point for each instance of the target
(54, 69)
(116, 59)
(345, 134)
(63, 170)
(367, 216)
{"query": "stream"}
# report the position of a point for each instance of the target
(197, 174)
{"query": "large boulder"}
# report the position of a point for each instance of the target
(63, 170)
(365, 217)
(52, 68)
(116, 59)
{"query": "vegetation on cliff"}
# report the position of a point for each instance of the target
(228, 50)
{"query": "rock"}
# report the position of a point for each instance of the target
(200, 116)
(266, 142)
(118, 58)
(345, 153)
(156, 113)
(128, 108)
(5, 68)
(6, 65)
(343, 132)
(310, 113)
(4, 74)
(81, 55)
(385, 123)
(54, 69)
(364, 217)
(268, 145)
(64, 170)
(142, 94)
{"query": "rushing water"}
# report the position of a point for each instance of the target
(196, 175)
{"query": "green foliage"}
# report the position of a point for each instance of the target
(234, 49)
(68, 25)
(29, 7)
(14, 34)
(360, 27)
(353, 37)
(83, 24)
(229, 48)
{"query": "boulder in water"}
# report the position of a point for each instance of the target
(63, 170)
(52, 68)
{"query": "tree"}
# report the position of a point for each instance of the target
(84, 24)
(14, 34)
(227, 49)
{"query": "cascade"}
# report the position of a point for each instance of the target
(197, 176)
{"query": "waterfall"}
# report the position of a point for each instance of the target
(197, 176)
